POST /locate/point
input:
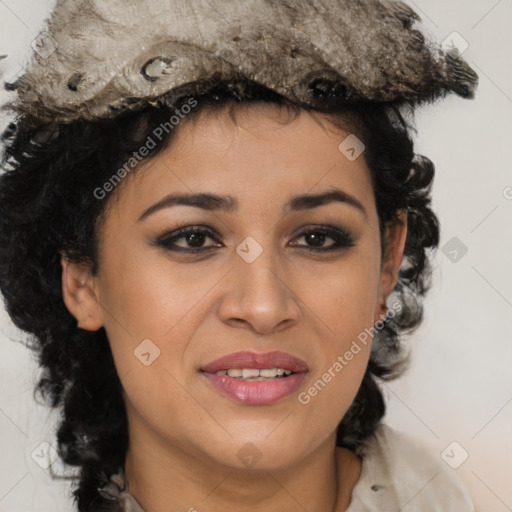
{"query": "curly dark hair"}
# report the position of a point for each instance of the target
(48, 209)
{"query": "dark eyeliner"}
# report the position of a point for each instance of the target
(167, 239)
(343, 238)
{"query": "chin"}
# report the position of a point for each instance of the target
(252, 451)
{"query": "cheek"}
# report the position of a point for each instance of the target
(343, 296)
(330, 392)
(148, 296)
(345, 301)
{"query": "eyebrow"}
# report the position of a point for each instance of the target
(229, 204)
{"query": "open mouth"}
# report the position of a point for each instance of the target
(254, 374)
(255, 378)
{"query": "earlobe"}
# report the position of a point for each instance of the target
(79, 293)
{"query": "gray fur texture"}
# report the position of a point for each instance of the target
(103, 56)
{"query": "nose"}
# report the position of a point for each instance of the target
(261, 296)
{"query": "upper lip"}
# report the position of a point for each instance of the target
(259, 360)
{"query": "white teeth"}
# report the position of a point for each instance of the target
(247, 373)
(269, 372)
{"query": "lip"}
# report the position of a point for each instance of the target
(261, 360)
(259, 392)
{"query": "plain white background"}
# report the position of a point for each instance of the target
(457, 395)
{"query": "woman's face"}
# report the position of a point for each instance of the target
(245, 278)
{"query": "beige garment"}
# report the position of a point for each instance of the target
(398, 474)
(401, 474)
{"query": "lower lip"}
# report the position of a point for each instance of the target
(258, 392)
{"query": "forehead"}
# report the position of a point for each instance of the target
(259, 153)
(252, 123)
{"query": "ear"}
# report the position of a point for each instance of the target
(395, 237)
(80, 294)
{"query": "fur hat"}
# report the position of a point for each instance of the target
(98, 57)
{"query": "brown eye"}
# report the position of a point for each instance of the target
(315, 239)
(191, 238)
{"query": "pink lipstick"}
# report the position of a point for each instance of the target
(256, 378)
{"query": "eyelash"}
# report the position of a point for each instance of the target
(343, 238)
